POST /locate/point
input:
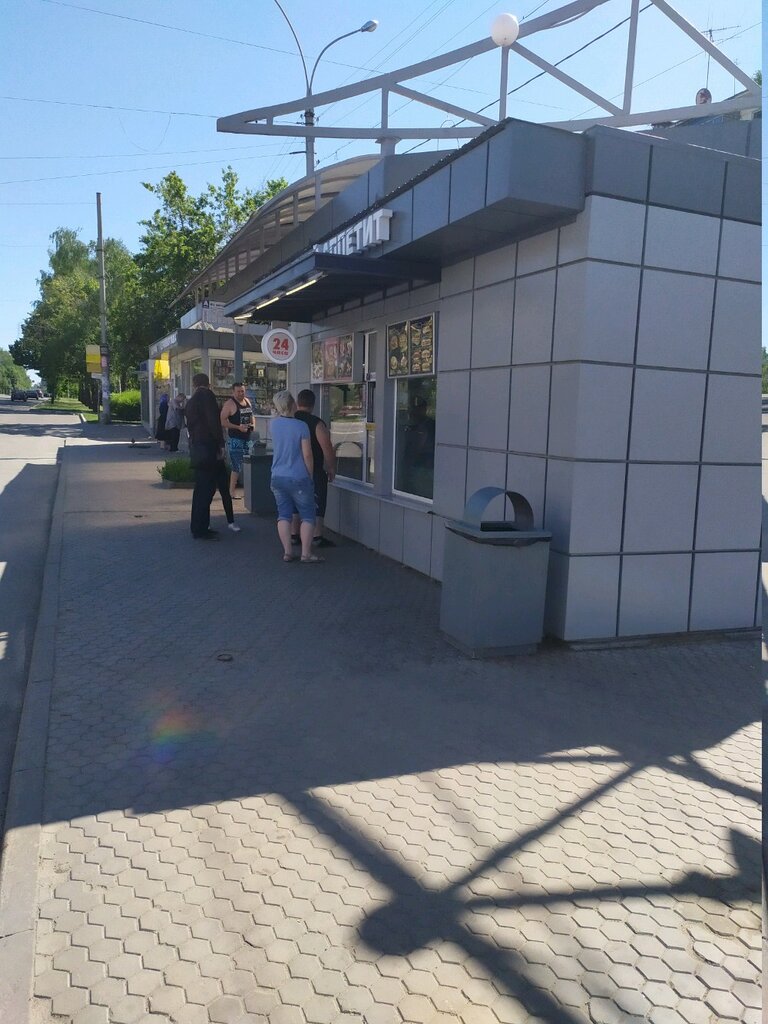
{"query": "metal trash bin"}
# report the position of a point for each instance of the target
(494, 579)
(257, 472)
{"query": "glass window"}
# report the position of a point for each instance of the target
(263, 381)
(345, 405)
(415, 436)
(370, 406)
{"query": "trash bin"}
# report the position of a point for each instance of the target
(257, 496)
(494, 579)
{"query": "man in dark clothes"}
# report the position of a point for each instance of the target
(324, 459)
(206, 449)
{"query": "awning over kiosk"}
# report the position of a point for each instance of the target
(512, 182)
(321, 280)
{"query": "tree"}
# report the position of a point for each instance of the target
(11, 375)
(758, 77)
(179, 240)
(183, 236)
(65, 317)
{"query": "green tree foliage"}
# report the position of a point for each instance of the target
(11, 375)
(180, 239)
(765, 372)
(65, 317)
(183, 236)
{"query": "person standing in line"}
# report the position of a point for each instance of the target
(206, 452)
(324, 461)
(174, 421)
(291, 483)
(237, 420)
(162, 413)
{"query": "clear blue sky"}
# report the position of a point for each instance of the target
(57, 155)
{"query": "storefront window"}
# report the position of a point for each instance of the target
(415, 436)
(345, 405)
(262, 381)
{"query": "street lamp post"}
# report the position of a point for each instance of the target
(309, 115)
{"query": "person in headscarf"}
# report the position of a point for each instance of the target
(174, 421)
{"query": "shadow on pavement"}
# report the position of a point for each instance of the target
(25, 504)
(337, 674)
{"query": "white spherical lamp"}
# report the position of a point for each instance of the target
(505, 28)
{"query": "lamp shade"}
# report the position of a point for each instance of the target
(505, 29)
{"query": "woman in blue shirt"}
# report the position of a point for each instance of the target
(292, 484)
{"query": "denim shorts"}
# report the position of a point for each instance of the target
(294, 495)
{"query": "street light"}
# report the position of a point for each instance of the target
(309, 115)
(505, 29)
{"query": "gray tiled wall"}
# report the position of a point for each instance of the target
(609, 371)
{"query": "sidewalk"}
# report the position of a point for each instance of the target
(273, 793)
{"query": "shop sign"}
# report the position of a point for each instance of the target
(279, 346)
(368, 232)
(411, 347)
(332, 360)
(93, 359)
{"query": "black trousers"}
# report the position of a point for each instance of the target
(209, 478)
(172, 437)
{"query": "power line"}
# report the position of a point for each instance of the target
(541, 74)
(58, 203)
(133, 170)
(104, 106)
(189, 31)
(122, 156)
(673, 67)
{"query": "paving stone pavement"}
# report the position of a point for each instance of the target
(347, 821)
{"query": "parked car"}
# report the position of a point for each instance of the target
(34, 394)
(18, 395)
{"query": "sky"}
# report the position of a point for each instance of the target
(102, 95)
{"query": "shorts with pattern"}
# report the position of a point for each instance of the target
(236, 449)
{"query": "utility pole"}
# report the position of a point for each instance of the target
(105, 393)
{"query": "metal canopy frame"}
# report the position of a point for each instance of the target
(261, 121)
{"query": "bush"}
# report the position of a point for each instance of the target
(177, 470)
(126, 405)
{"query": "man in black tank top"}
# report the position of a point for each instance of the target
(237, 420)
(324, 460)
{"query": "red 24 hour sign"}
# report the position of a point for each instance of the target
(279, 345)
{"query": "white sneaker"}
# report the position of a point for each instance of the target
(234, 528)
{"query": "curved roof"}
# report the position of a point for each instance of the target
(276, 218)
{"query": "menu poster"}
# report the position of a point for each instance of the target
(411, 347)
(397, 349)
(344, 363)
(223, 373)
(332, 360)
(317, 361)
(421, 344)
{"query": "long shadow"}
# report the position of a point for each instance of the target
(25, 509)
(340, 676)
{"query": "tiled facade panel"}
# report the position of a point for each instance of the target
(608, 371)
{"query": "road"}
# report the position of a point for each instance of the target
(30, 440)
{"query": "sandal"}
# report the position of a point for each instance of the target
(289, 558)
(312, 559)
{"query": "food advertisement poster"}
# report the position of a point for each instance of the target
(317, 361)
(411, 347)
(397, 349)
(332, 360)
(421, 345)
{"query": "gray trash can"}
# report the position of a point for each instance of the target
(494, 579)
(257, 496)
